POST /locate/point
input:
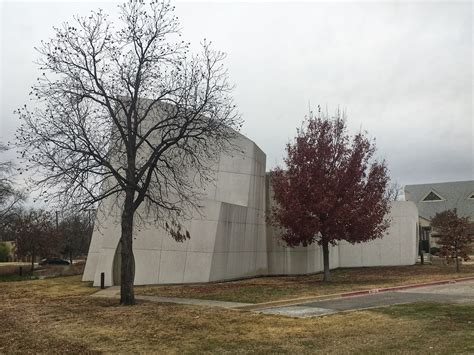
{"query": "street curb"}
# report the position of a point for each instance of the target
(294, 301)
(403, 287)
(303, 300)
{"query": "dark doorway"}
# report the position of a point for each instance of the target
(117, 265)
(425, 239)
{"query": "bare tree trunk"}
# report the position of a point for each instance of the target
(32, 262)
(457, 257)
(327, 275)
(127, 296)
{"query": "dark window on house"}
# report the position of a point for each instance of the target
(432, 197)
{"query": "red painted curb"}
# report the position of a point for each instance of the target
(296, 301)
(395, 288)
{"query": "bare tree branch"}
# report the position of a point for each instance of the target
(124, 112)
(10, 197)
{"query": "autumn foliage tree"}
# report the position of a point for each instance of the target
(452, 232)
(331, 189)
(35, 234)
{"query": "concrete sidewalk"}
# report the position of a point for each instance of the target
(114, 292)
(452, 293)
(333, 303)
(302, 300)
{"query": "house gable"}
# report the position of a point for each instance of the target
(456, 194)
(432, 196)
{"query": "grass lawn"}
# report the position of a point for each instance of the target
(13, 268)
(56, 316)
(265, 289)
(14, 277)
(10, 271)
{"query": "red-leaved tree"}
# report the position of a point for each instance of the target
(332, 188)
(35, 235)
(453, 236)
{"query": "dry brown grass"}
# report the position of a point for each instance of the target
(12, 268)
(265, 289)
(56, 316)
(61, 270)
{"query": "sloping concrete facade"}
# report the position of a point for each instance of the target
(229, 237)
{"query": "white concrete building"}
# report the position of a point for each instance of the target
(397, 247)
(230, 239)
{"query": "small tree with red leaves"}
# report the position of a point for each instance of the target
(332, 188)
(36, 235)
(452, 236)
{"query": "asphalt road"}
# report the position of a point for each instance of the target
(461, 292)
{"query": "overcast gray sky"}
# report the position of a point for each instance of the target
(402, 71)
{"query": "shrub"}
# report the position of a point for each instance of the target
(434, 250)
(4, 252)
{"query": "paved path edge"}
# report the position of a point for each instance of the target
(112, 292)
(303, 300)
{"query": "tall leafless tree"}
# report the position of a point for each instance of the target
(124, 111)
(10, 196)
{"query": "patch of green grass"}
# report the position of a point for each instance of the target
(10, 278)
(462, 313)
(265, 289)
(452, 324)
(251, 294)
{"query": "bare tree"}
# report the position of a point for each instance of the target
(74, 234)
(10, 197)
(127, 113)
(394, 191)
(35, 235)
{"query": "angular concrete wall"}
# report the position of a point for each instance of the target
(227, 236)
(283, 260)
(397, 247)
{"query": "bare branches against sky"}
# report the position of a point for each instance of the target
(402, 71)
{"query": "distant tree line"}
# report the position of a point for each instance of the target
(37, 233)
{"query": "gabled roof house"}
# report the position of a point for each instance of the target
(437, 197)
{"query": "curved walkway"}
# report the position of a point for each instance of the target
(114, 292)
(448, 291)
(459, 292)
